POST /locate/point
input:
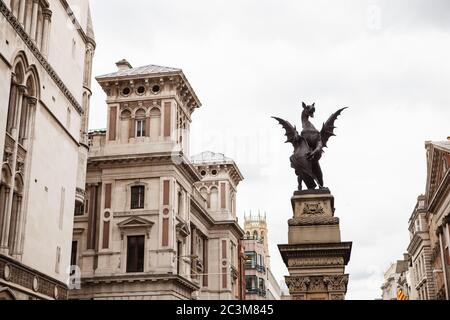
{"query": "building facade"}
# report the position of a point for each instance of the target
(45, 69)
(156, 223)
(259, 280)
(429, 247)
(397, 281)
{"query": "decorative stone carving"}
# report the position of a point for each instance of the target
(296, 284)
(337, 282)
(313, 208)
(7, 272)
(313, 220)
(307, 262)
(336, 296)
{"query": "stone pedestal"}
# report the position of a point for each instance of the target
(315, 255)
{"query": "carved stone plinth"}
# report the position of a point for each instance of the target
(315, 255)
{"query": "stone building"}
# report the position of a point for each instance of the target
(259, 280)
(419, 250)
(45, 68)
(437, 201)
(156, 224)
(396, 285)
(429, 247)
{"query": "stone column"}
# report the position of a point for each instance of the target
(39, 27)
(315, 255)
(21, 17)
(4, 232)
(47, 15)
(28, 13)
(34, 19)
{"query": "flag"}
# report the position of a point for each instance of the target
(401, 295)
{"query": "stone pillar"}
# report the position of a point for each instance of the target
(34, 19)
(47, 14)
(22, 5)
(315, 255)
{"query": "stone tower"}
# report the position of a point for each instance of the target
(256, 226)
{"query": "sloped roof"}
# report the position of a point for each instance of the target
(443, 145)
(210, 157)
(140, 71)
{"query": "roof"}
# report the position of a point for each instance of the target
(210, 157)
(443, 145)
(141, 71)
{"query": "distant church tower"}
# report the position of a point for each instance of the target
(255, 226)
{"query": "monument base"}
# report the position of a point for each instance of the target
(315, 256)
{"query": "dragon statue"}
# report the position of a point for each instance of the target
(308, 146)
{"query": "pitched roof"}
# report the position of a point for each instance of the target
(139, 71)
(443, 145)
(210, 157)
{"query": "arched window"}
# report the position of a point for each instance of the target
(214, 198)
(27, 103)
(180, 203)
(204, 193)
(16, 208)
(4, 195)
(125, 133)
(140, 123)
(15, 96)
(155, 123)
(255, 234)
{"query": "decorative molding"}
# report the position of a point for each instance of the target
(313, 220)
(308, 284)
(21, 275)
(17, 26)
(307, 262)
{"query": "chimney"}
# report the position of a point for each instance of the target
(123, 65)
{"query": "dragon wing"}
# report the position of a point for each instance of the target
(291, 131)
(328, 127)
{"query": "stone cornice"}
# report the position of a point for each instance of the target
(176, 159)
(439, 195)
(416, 241)
(341, 249)
(141, 277)
(42, 60)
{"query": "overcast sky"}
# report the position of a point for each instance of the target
(248, 60)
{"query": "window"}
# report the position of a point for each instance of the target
(140, 128)
(79, 209)
(261, 285)
(137, 197)
(73, 257)
(250, 283)
(179, 255)
(250, 261)
(180, 203)
(135, 253)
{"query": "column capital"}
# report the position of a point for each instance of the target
(22, 88)
(32, 100)
(47, 13)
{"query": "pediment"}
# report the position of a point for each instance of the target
(134, 222)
